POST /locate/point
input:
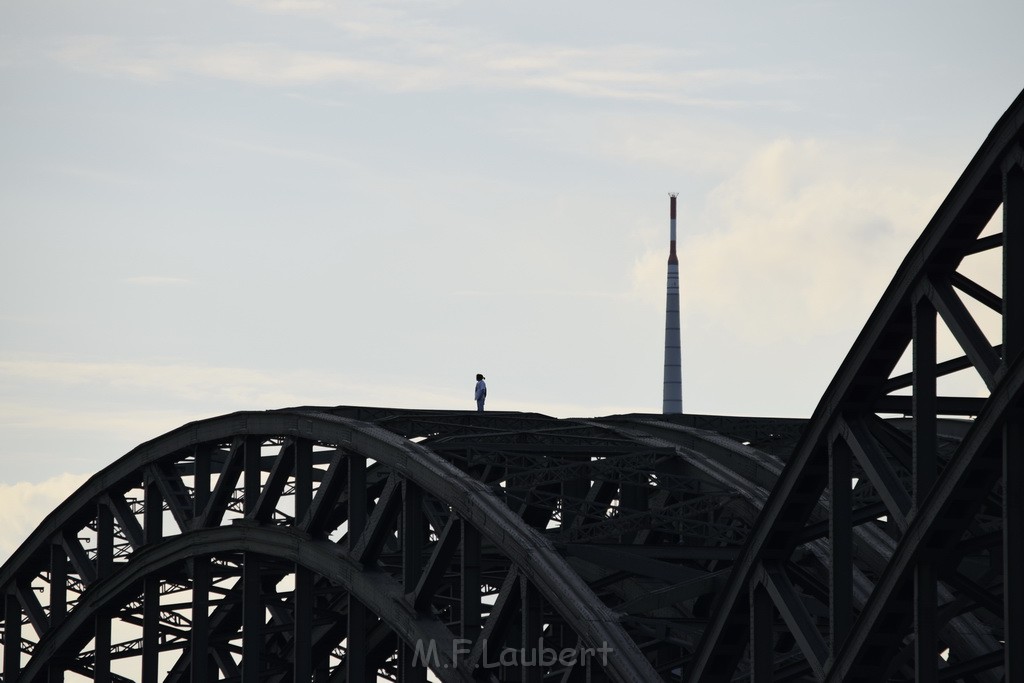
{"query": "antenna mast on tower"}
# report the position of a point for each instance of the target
(672, 397)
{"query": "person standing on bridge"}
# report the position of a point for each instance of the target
(481, 392)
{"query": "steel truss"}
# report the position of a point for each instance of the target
(880, 540)
(947, 605)
(331, 543)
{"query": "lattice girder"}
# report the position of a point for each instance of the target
(228, 503)
(933, 504)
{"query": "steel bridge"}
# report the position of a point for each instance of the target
(881, 539)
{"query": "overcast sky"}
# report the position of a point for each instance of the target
(212, 206)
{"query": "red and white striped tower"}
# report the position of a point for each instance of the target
(672, 397)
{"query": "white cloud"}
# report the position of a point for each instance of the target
(228, 386)
(24, 505)
(802, 239)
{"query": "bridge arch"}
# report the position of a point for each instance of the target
(293, 485)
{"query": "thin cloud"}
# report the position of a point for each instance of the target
(130, 426)
(181, 381)
(295, 154)
(157, 281)
(100, 176)
(197, 390)
(622, 72)
(259, 64)
(23, 505)
(286, 6)
(715, 149)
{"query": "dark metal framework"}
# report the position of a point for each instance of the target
(947, 605)
(358, 544)
(880, 540)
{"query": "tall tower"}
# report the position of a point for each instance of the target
(672, 397)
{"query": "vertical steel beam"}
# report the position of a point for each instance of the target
(104, 568)
(412, 535)
(201, 479)
(302, 625)
(1013, 543)
(153, 514)
(58, 604)
(413, 526)
(303, 477)
(152, 531)
(252, 619)
(101, 657)
(925, 465)
(356, 650)
(355, 655)
(322, 671)
(252, 477)
(762, 641)
(104, 541)
(532, 616)
(150, 629)
(1013, 260)
(1013, 426)
(58, 585)
(841, 542)
(411, 670)
(200, 645)
(470, 580)
(357, 504)
(925, 460)
(12, 636)
(926, 643)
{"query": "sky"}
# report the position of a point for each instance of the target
(253, 204)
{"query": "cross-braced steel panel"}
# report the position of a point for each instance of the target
(947, 604)
(367, 544)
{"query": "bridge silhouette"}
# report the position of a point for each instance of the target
(880, 539)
